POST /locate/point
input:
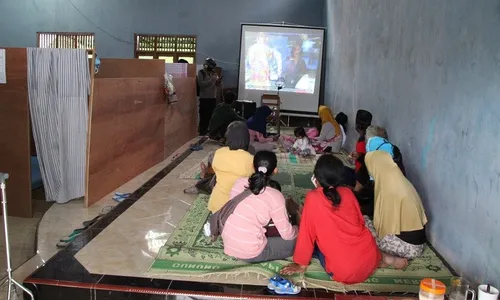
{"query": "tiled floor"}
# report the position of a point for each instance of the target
(48, 226)
(22, 233)
(138, 234)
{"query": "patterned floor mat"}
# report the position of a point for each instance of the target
(285, 160)
(189, 254)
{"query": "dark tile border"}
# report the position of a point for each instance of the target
(63, 277)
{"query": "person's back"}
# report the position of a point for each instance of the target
(333, 229)
(350, 250)
(228, 165)
(249, 219)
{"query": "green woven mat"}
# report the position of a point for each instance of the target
(189, 254)
(285, 161)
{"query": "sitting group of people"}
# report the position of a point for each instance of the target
(257, 223)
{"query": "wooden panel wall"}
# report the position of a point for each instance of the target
(181, 117)
(130, 68)
(15, 134)
(126, 134)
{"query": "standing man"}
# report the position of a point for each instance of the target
(208, 82)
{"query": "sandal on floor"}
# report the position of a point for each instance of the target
(283, 286)
(196, 148)
(73, 235)
(65, 242)
(87, 224)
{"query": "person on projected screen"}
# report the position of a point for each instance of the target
(259, 67)
(295, 67)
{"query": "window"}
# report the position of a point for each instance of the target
(73, 40)
(167, 47)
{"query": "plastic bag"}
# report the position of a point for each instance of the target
(170, 88)
(97, 64)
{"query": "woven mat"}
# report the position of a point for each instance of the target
(284, 159)
(189, 255)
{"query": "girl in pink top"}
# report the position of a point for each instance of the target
(244, 235)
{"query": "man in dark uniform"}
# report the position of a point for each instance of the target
(208, 83)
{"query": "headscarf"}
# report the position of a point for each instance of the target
(237, 136)
(377, 143)
(398, 207)
(326, 115)
(258, 121)
(223, 115)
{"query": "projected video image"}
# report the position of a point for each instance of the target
(273, 55)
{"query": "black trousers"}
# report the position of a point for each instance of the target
(205, 108)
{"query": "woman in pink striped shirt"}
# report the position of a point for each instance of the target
(244, 233)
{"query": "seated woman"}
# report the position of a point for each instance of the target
(333, 229)
(257, 126)
(399, 218)
(342, 119)
(329, 138)
(244, 233)
(376, 139)
(363, 188)
(229, 163)
(330, 135)
(222, 116)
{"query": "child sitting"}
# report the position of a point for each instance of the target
(302, 145)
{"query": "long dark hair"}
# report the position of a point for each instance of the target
(342, 119)
(328, 172)
(266, 161)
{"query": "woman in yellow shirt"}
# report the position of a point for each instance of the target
(230, 163)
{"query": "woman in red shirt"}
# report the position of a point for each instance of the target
(333, 230)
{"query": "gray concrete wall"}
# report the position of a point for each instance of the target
(429, 70)
(114, 22)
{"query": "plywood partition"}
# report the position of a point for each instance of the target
(15, 133)
(130, 68)
(126, 135)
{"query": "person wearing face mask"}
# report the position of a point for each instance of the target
(333, 230)
(208, 83)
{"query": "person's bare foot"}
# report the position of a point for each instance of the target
(203, 168)
(398, 263)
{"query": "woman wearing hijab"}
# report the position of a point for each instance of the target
(258, 121)
(329, 138)
(376, 139)
(230, 163)
(330, 135)
(399, 217)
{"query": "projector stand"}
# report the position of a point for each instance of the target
(11, 281)
(274, 102)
